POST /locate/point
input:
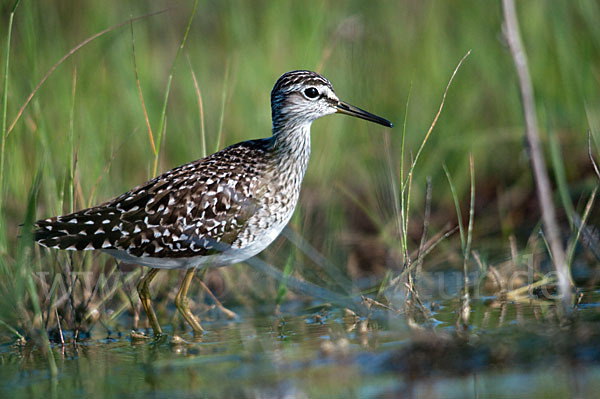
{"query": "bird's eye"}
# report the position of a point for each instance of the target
(311, 92)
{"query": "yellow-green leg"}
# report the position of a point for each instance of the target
(144, 294)
(181, 301)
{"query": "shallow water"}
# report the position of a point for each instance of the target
(515, 351)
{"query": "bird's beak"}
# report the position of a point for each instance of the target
(345, 108)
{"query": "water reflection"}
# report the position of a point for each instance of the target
(511, 349)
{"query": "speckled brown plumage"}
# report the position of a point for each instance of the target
(218, 210)
(211, 199)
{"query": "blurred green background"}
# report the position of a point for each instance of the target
(87, 121)
(374, 53)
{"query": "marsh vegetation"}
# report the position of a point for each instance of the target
(417, 262)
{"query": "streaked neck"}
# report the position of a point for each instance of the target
(291, 144)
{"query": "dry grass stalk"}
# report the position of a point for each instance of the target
(544, 192)
(70, 53)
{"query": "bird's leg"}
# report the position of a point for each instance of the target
(144, 294)
(181, 301)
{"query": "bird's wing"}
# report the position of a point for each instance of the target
(193, 210)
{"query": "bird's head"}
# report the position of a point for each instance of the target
(300, 97)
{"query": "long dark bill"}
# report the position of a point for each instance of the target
(345, 108)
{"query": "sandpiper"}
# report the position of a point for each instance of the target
(216, 211)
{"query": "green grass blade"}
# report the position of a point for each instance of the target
(287, 271)
(11, 329)
(461, 228)
(163, 113)
(582, 225)
(140, 94)
(4, 109)
(223, 104)
(200, 109)
(467, 251)
(403, 210)
(64, 58)
(71, 177)
(559, 173)
(24, 265)
(437, 115)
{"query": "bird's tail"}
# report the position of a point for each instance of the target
(93, 228)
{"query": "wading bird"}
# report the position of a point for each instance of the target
(216, 211)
